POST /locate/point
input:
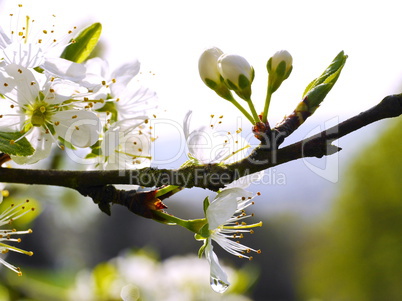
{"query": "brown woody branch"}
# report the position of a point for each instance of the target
(212, 176)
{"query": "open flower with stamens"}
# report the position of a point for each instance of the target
(225, 215)
(208, 145)
(29, 43)
(129, 98)
(45, 109)
(127, 144)
(8, 236)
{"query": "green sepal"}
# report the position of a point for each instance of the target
(21, 147)
(202, 249)
(66, 143)
(243, 81)
(316, 91)
(39, 70)
(204, 231)
(231, 85)
(205, 205)
(83, 45)
(281, 69)
(269, 65)
(91, 155)
(210, 83)
(109, 107)
(96, 151)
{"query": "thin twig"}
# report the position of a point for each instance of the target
(211, 176)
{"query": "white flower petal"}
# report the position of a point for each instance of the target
(246, 181)
(27, 85)
(126, 145)
(134, 100)
(126, 72)
(222, 208)
(41, 142)
(63, 90)
(4, 39)
(7, 83)
(64, 68)
(97, 66)
(208, 65)
(218, 277)
(80, 128)
(186, 124)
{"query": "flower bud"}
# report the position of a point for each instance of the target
(208, 69)
(237, 74)
(279, 68)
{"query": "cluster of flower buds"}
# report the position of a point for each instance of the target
(224, 73)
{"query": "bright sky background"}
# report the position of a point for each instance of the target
(169, 36)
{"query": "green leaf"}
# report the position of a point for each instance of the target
(82, 46)
(19, 148)
(316, 91)
(330, 74)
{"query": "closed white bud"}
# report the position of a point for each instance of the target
(279, 67)
(209, 72)
(237, 74)
(208, 66)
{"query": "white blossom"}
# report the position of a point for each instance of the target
(28, 42)
(127, 144)
(224, 216)
(130, 98)
(45, 109)
(208, 145)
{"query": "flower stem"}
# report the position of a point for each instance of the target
(170, 188)
(241, 109)
(194, 225)
(266, 107)
(253, 111)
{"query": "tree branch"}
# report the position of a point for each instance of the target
(211, 176)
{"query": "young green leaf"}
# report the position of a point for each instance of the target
(83, 45)
(10, 145)
(317, 90)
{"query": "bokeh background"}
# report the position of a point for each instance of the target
(332, 226)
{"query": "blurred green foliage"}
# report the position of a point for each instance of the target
(356, 252)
